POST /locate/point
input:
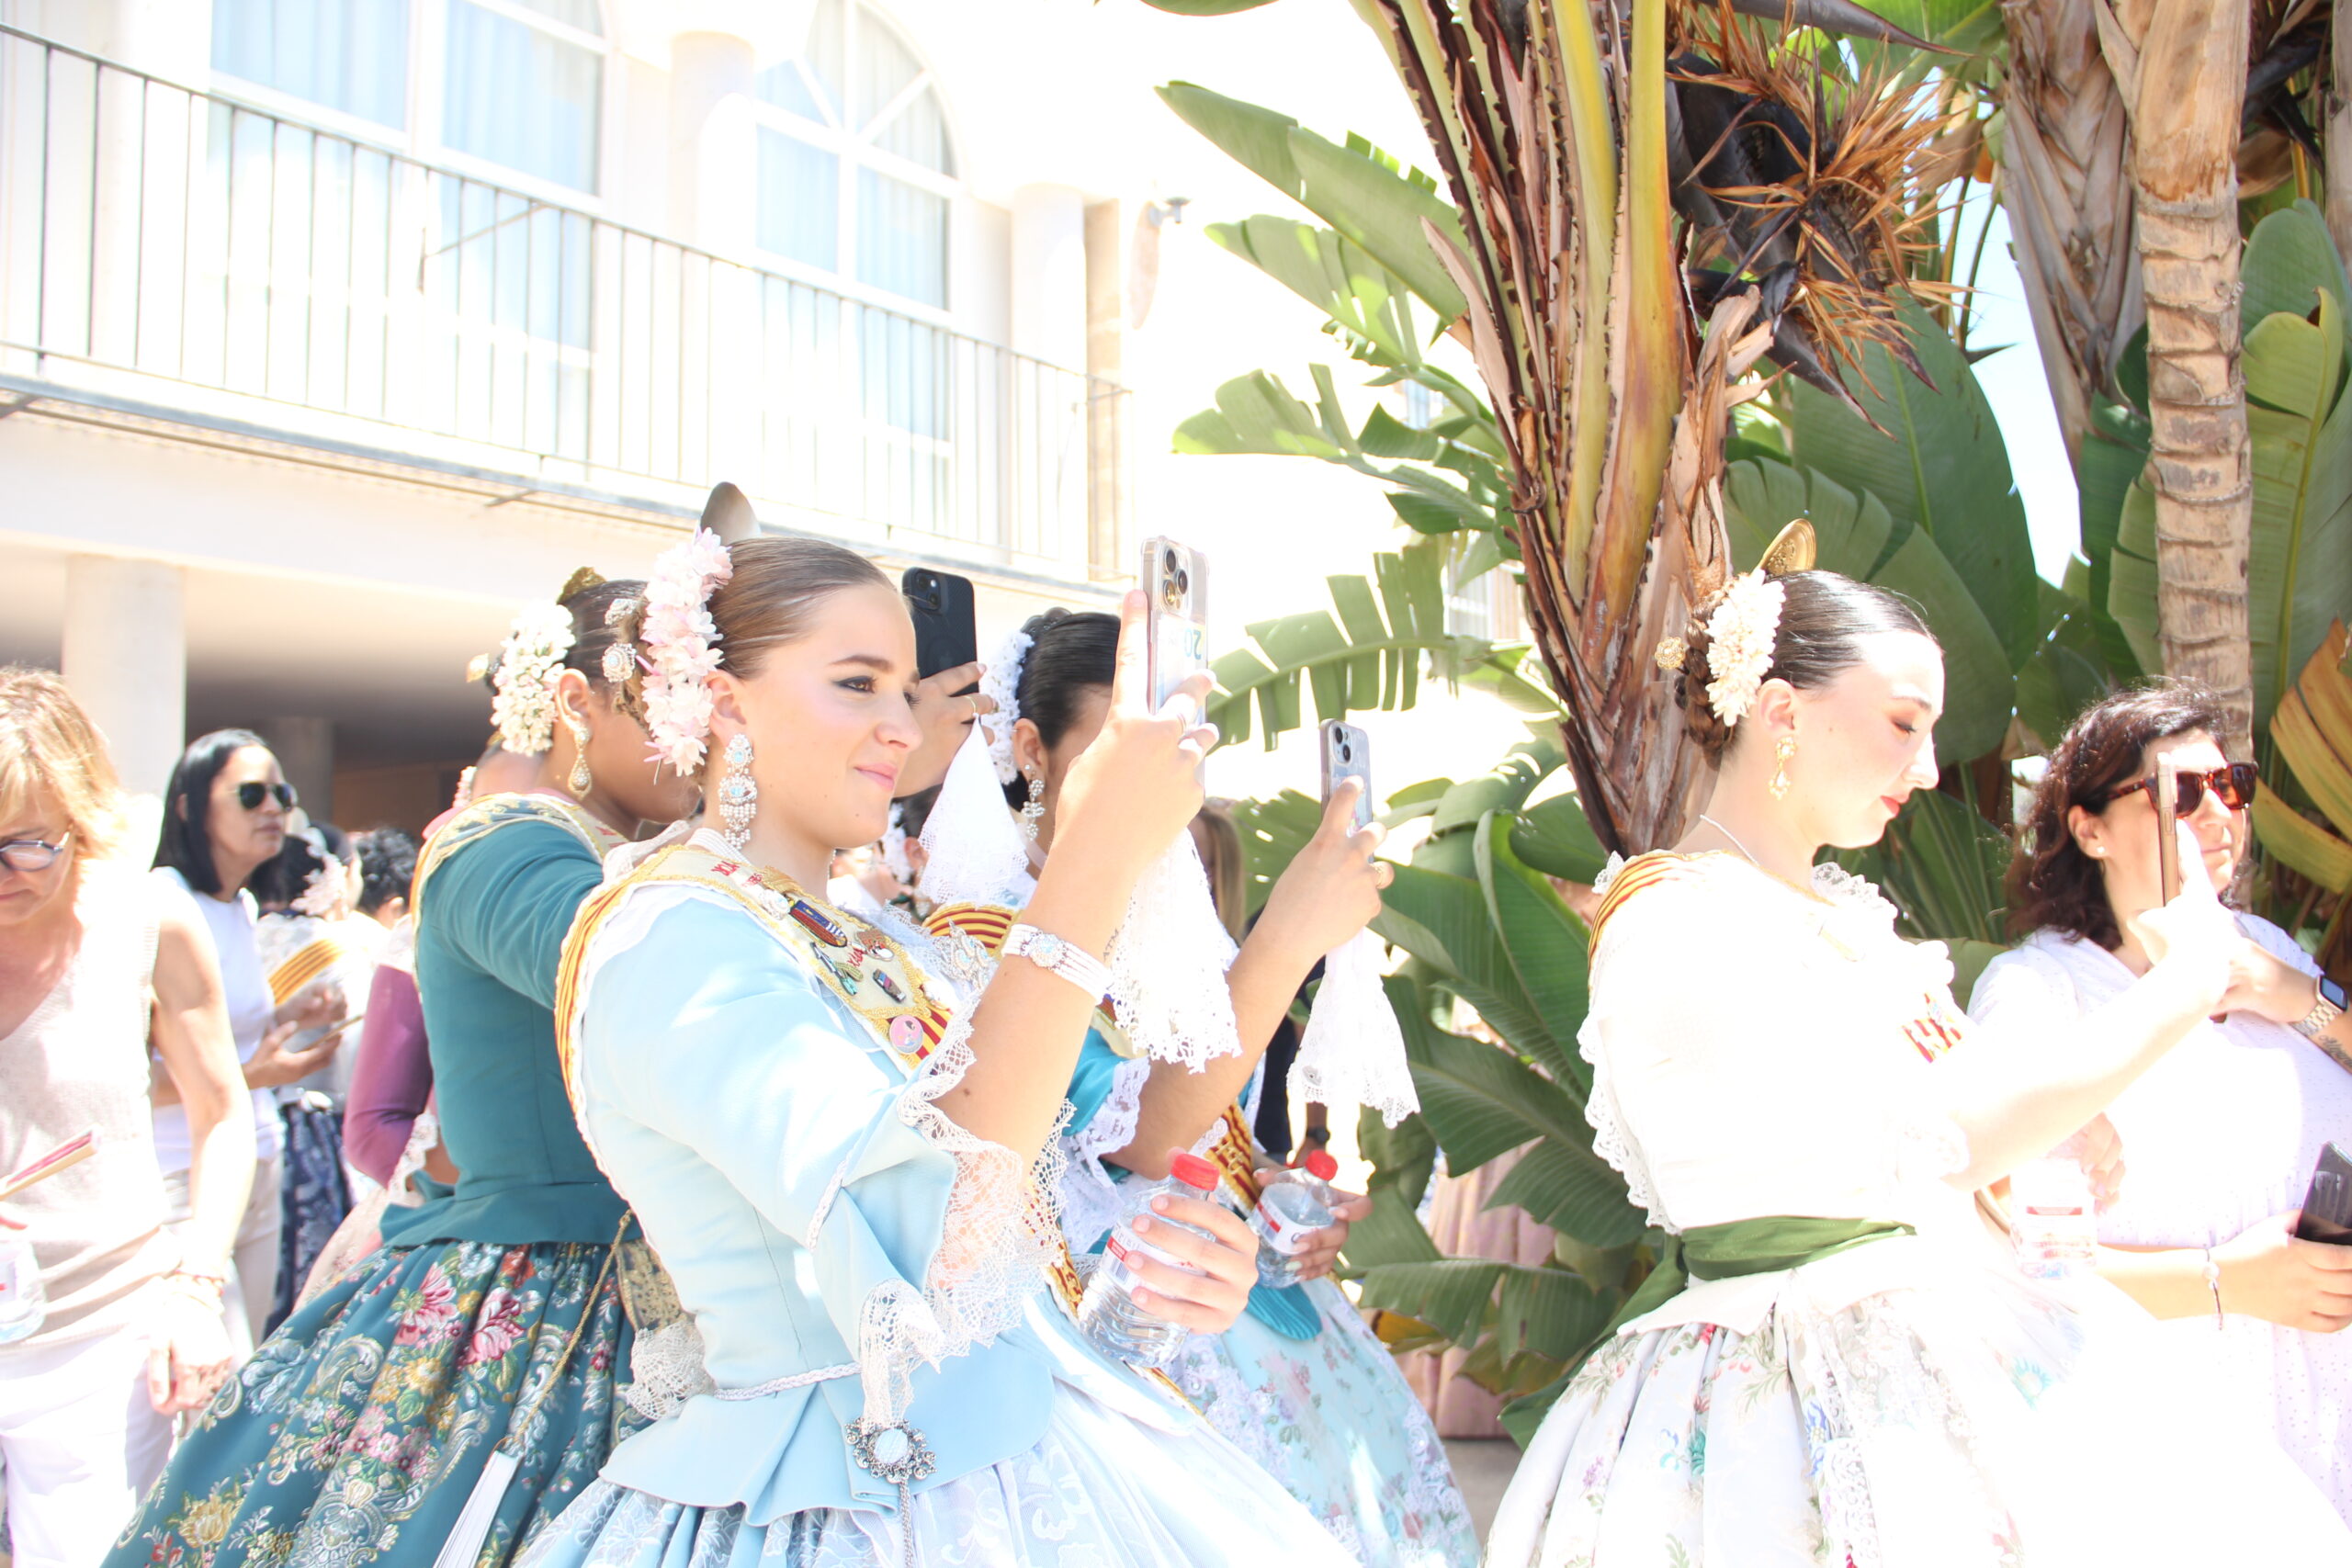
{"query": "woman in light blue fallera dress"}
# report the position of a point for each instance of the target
(1299, 1383)
(844, 1161)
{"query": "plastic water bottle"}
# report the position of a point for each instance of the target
(23, 1303)
(2055, 1215)
(1107, 1314)
(1292, 1205)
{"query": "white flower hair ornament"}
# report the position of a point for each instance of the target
(1745, 624)
(528, 664)
(676, 648)
(325, 890)
(999, 682)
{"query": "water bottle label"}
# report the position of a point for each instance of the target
(1123, 1246)
(1285, 1237)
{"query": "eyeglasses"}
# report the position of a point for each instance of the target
(31, 854)
(2232, 785)
(253, 792)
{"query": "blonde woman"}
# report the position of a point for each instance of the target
(132, 1331)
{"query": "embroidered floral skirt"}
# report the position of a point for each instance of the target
(1332, 1419)
(356, 1432)
(1998, 1425)
(1098, 1491)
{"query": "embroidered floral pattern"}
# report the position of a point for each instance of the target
(356, 1433)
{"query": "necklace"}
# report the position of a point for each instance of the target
(1749, 857)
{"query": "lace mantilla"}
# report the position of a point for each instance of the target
(1354, 1050)
(1168, 962)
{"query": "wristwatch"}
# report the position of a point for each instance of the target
(2325, 1011)
(1067, 959)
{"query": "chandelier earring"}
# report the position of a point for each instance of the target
(1034, 811)
(1781, 755)
(738, 794)
(580, 780)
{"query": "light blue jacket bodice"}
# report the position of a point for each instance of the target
(756, 1126)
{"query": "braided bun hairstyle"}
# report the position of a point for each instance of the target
(1824, 620)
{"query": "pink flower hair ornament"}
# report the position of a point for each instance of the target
(677, 648)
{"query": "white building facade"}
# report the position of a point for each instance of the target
(331, 330)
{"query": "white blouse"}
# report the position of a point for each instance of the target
(2219, 1136)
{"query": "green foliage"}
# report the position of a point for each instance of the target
(1362, 654)
(1940, 465)
(1860, 538)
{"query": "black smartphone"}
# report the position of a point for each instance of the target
(945, 632)
(2327, 1206)
(1347, 754)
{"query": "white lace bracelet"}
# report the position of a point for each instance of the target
(1055, 957)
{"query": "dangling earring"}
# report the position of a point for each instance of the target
(1781, 754)
(738, 794)
(1034, 812)
(580, 780)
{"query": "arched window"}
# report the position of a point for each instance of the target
(856, 174)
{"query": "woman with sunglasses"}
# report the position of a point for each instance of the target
(94, 960)
(224, 818)
(2221, 1135)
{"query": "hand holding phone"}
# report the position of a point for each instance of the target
(946, 632)
(2327, 1206)
(1347, 754)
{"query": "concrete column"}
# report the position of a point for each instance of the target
(714, 145)
(713, 182)
(1050, 274)
(305, 748)
(1110, 544)
(125, 655)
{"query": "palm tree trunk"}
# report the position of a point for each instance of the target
(2183, 72)
(2068, 192)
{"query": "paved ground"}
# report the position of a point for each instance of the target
(1482, 1467)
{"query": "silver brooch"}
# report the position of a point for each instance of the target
(894, 1451)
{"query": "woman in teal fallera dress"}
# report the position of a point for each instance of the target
(358, 1432)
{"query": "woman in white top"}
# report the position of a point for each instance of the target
(1832, 1363)
(224, 815)
(132, 1333)
(2220, 1136)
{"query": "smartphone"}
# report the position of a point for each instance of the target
(312, 1043)
(1176, 617)
(945, 632)
(2166, 796)
(2327, 1207)
(1347, 754)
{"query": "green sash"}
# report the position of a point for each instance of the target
(1740, 1248)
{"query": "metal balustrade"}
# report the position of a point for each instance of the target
(181, 249)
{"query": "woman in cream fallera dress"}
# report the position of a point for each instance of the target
(1911, 1401)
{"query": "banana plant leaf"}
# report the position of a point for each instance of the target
(1362, 654)
(1942, 863)
(1352, 188)
(1860, 538)
(1941, 467)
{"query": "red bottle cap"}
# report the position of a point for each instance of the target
(1193, 1171)
(1321, 1164)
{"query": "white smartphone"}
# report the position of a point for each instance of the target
(1347, 754)
(1176, 616)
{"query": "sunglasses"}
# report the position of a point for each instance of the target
(31, 854)
(2233, 785)
(253, 792)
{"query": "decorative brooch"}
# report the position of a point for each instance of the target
(892, 1451)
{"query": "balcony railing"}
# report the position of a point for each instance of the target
(183, 249)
